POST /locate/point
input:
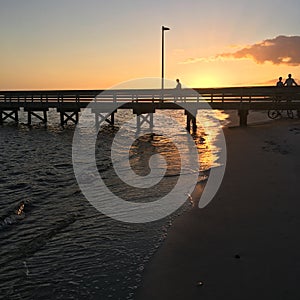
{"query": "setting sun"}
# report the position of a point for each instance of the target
(213, 44)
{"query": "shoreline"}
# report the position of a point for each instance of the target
(245, 243)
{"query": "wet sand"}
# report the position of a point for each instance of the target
(245, 244)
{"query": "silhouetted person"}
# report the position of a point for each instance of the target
(290, 81)
(178, 89)
(278, 96)
(279, 82)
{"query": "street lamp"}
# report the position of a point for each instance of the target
(163, 29)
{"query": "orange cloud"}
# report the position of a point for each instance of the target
(192, 60)
(283, 50)
(280, 50)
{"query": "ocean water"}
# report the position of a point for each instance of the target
(53, 243)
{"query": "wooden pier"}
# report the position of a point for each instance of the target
(68, 103)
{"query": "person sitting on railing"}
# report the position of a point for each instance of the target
(279, 82)
(290, 81)
(278, 95)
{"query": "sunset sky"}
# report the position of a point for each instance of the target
(95, 44)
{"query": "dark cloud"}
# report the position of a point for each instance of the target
(280, 50)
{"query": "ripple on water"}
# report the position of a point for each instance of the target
(59, 246)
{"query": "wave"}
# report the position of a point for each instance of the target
(39, 241)
(28, 249)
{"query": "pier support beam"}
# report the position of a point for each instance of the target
(34, 114)
(144, 119)
(190, 118)
(144, 114)
(243, 114)
(9, 114)
(66, 116)
(100, 117)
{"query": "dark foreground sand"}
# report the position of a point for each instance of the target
(245, 244)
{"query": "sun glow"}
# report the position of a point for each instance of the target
(205, 82)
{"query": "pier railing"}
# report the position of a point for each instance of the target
(242, 99)
(241, 94)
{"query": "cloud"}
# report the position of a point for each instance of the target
(283, 50)
(280, 50)
(192, 60)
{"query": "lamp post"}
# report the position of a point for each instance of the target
(163, 29)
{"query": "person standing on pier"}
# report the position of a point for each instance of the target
(178, 86)
(178, 89)
(290, 81)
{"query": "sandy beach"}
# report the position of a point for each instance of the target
(245, 244)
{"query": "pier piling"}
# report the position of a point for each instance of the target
(190, 118)
(243, 114)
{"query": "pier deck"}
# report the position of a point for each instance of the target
(69, 102)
